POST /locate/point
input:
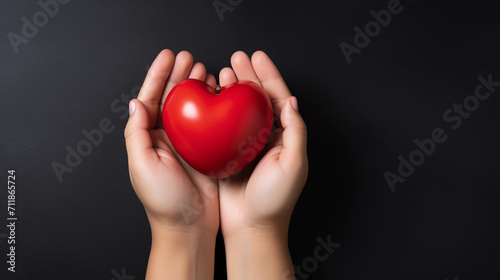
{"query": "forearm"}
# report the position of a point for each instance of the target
(179, 255)
(258, 255)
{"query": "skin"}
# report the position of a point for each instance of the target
(256, 205)
(185, 208)
(182, 204)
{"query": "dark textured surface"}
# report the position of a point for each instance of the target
(441, 223)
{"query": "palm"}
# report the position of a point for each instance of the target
(191, 197)
(266, 191)
(249, 199)
(171, 191)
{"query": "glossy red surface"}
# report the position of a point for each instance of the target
(218, 134)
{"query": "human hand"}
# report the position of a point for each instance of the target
(256, 205)
(181, 203)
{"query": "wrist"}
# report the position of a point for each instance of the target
(245, 228)
(186, 253)
(258, 254)
(161, 225)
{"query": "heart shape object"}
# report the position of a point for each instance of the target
(217, 133)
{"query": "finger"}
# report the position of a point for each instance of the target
(271, 79)
(152, 88)
(294, 153)
(182, 67)
(198, 72)
(180, 71)
(137, 138)
(243, 67)
(227, 76)
(210, 80)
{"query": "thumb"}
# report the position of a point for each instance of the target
(294, 153)
(137, 137)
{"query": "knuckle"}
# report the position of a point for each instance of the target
(301, 127)
(127, 132)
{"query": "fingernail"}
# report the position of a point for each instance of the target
(131, 107)
(295, 104)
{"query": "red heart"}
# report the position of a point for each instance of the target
(218, 134)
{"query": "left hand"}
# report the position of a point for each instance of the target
(263, 196)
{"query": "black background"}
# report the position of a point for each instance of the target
(441, 223)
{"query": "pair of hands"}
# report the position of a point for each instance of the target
(186, 208)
